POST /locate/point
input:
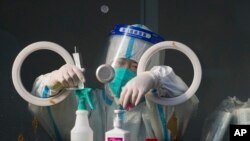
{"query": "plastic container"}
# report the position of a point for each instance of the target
(118, 134)
(81, 130)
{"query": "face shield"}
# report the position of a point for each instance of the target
(126, 46)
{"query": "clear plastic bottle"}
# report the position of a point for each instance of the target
(118, 134)
(81, 130)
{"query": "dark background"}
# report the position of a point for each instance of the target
(217, 31)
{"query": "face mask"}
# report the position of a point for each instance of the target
(122, 76)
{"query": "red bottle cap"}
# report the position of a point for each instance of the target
(129, 107)
(151, 139)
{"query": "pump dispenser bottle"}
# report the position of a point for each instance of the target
(118, 134)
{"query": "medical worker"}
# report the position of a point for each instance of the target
(145, 119)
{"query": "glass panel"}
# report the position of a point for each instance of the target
(218, 32)
(82, 23)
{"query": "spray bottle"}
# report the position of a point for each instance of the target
(118, 133)
(82, 131)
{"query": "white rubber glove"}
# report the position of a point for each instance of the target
(65, 77)
(136, 88)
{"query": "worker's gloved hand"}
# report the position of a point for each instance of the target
(65, 77)
(137, 87)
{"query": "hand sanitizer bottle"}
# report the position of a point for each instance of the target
(118, 134)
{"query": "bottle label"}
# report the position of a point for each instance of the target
(115, 139)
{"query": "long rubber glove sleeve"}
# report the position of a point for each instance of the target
(168, 84)
(161, 78)
(51, 83)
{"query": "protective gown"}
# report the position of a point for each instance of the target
(147, 119)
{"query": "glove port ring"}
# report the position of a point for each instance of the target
(196, 67)
(16, 72)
